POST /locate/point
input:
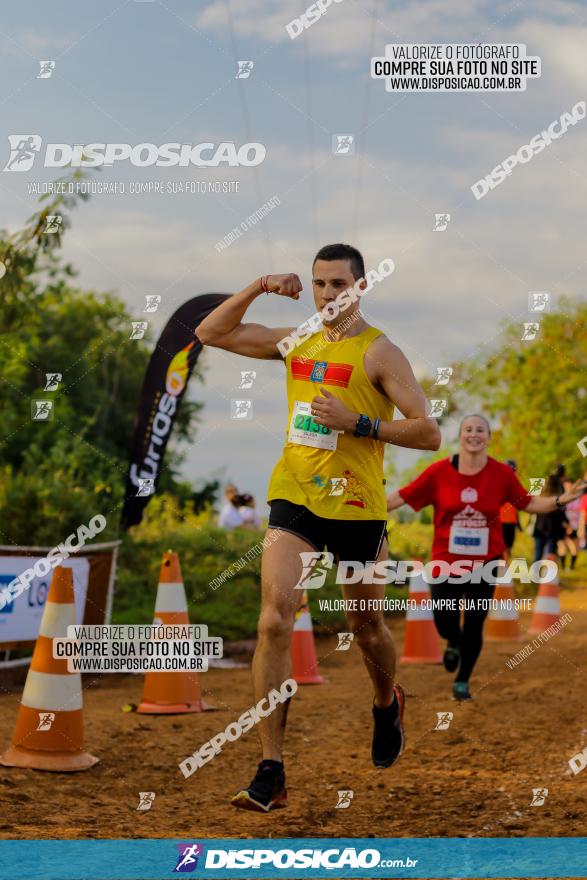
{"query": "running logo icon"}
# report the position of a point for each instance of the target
(247, 378)
(47, 68)
(344, 799)
(539, 301)
(146, 799)
(189, 853)
(530, 331)
(343, 144)
(42, 410)
(241, 409)
(338, 485)
(244, 69)
(46, 719)
(539, 795)
(138, 329)
(146, 487)
(441, 222)
(443, 374)
(437, 408)
(314, 570)
(23, 151)
(54, 224)
(153, 301)
(443, 720)
(344, 641)
(52, 381)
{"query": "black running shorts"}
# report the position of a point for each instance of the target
(349, 540)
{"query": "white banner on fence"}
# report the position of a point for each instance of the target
(21, 618)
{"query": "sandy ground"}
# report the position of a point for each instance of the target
(474, 779)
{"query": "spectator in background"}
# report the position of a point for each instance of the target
(549, 528)
(230, 517)
(510, 521)
(248, 512)
(570, 542)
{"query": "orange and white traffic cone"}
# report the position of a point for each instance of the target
(422, 642)
(171, 693)
(304, 661)
(503, 623)
(547, 609)
(49, 732)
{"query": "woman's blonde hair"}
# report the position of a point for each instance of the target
(475, 416)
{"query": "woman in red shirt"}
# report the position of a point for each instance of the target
(467, 492)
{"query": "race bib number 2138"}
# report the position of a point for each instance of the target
(305, 431)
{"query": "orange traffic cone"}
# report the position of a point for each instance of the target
(421, 643)
(503, 623)
(49, 730)
(547, 609)
(171, 693)
(304, 661)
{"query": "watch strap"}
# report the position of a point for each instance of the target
(363, 426)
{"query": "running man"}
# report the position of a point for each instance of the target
(467, 492)
(327, 490)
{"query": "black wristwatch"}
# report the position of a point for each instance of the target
(363, 426)
(559, 503)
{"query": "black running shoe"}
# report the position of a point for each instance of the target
(461, 692)
(266, 791)
(451, 658)
(388, 733)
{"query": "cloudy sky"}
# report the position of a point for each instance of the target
(164, 71)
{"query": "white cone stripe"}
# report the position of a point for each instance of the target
(419, 614)
(303, 623)
(503, 614)
(56, 618)
(44, 690)
(418, 584)
(548, 605)
(171, 597)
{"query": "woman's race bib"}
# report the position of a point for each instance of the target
(468, 541)
(305, 431)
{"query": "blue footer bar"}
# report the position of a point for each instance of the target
(293, 857)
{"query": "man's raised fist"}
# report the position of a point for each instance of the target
(285, 285)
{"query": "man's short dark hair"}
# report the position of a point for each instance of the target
(343, 252)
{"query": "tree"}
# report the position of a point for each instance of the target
(58, 473)
(535, 391)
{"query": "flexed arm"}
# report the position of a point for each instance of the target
(223, 328)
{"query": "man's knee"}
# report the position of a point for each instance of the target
(368, 631)
(275, 625)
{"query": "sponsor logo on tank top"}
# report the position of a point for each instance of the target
(469, 495)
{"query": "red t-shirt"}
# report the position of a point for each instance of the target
(466, 508)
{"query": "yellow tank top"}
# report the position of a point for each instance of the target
(334, 474)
